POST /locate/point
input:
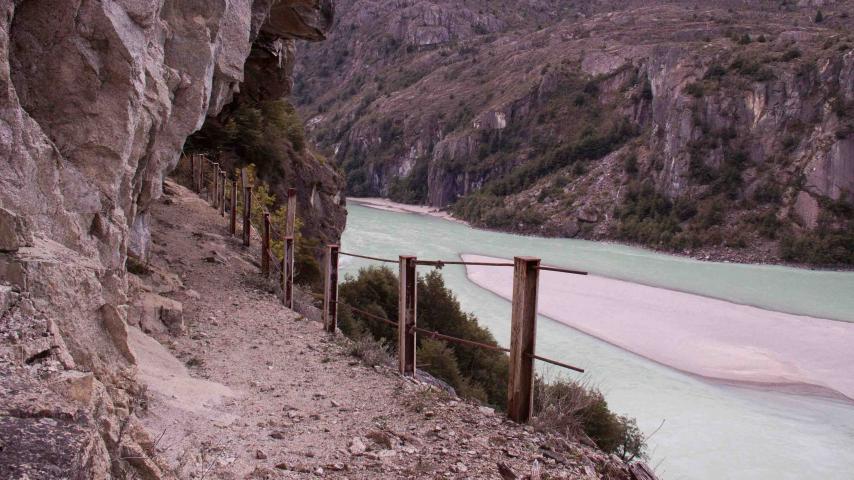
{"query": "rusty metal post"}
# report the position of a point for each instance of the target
(290, 225)
(288, 274)
(233, 212)
(214, 191)
(265, 246)
(247, 214)
(523, 333)
(201, 175)
(222, 193)
(330, 289)
(282, 278)
(192, 159)
(406, 316)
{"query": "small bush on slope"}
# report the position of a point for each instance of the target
(573, 409)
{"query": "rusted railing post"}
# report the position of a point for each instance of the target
(201, 175)
(523, 332)
(247, 215)
(233, 224)
(265, 246)
(330, 289)
(214, 191)
(222, 193)
(290, 253)
(282, 278)
(291, 220)
(192, 159)
(406, 316)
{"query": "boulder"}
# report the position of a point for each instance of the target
(14, 233)
(153, 313)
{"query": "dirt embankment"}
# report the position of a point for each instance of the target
(244, 388)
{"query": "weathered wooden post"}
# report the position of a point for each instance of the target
(265, 246)
(247, 215)
(214, 191)
(406, 316)
(523, 333)
(233, 206)
(290, 246)
(291, 221)
(192, 159)
(201, 176)
(247, 204)
(222, 193)
(330, 289)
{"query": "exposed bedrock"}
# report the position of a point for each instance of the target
(96, 101)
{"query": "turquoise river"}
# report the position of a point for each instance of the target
(702, 429)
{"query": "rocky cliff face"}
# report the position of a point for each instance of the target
(720, 129)
(96, 101)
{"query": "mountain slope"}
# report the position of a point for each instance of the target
(723, 131)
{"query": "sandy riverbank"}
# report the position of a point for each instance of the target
(390, 206)
(699, 335)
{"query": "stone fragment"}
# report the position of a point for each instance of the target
(486, 411)
(357, 446)
(14, 233)
(117, 330)
(154, 313)
(76, 386)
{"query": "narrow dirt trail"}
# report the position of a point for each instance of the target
(266, 394)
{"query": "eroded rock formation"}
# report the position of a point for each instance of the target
(96, 101)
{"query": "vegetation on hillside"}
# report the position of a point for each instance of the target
(265, 134)
(567, 407)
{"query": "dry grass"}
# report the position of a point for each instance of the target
(372, 352)
(559, 406)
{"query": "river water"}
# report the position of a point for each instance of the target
(700, 429)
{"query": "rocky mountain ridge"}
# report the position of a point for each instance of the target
(717, 129)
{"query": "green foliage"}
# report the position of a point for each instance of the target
(832, 241)
(819, 16)
(306, 267)
(715, 71)
(490, 211)
(473, 372)
(752, 69)
(592, 145)
(646, 216)
(790, 55)
(571, 408)
(413, 187)
(695, 89)
(259, 133)
(824, 247)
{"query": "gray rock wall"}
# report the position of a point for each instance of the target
(96, 101)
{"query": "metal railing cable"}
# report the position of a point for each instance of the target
(367, 314)
(486, 346)
(366, 257)
(555, 362)
(442, 263)
(562, 270)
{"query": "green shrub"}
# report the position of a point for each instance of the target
(695, 89)
(646, 216)
(790, 55)
(473, 372)
(715, 71)
(573, 409)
